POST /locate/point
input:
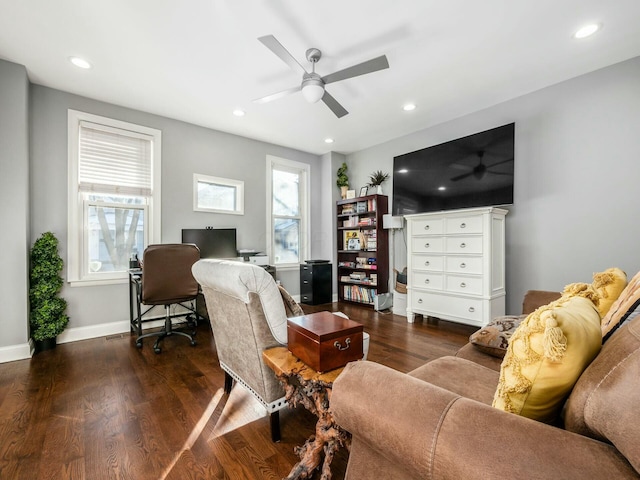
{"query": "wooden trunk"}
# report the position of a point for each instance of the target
(324, 341)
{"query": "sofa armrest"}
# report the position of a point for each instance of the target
(535, 299)
(437, 434)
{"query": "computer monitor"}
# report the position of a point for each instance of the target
(212, 242)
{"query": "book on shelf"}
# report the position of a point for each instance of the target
(361, 207)
(352, 240)
(359, 294)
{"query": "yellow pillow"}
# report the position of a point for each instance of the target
(547, 354)
(609, 284)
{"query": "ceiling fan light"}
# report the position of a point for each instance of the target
(312, 93)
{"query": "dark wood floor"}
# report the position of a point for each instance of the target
(102, 409)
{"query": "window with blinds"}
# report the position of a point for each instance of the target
(114, 195)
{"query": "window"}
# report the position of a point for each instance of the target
(218, 195)
(287, 211)
(114, 196)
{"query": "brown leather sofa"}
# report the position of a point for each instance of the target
(437, 421)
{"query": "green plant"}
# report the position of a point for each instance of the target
(376, 178)
(48, 318)
(343, 179)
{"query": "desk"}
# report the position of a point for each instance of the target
(306, 387)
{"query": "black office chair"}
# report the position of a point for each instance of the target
(167, 280)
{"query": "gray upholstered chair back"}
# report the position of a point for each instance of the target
(247, 316)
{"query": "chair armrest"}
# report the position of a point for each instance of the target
(437, 434)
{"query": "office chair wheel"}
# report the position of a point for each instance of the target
(193, 343)
(139, 344)
(157, 349)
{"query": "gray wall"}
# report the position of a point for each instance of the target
(577, 171)
(186, 149)
(14, 206)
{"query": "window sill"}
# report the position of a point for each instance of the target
(96, 282)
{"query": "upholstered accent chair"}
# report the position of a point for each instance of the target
(247, 315)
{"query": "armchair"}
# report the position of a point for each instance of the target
(247, 316)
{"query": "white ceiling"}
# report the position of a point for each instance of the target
(197, 60)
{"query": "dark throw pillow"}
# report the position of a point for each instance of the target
(493, 338)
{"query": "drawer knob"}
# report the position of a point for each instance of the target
(463, 285)
(419, 300)
(463, 265)
(427, 263)
(426, 280)
(426, 227)
(462, 245)
(305, 282)
(463, 225)
(339, 346)
(426, 245)
(471, 309)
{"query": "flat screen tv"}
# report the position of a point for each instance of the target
(473, 171)
(212, 242)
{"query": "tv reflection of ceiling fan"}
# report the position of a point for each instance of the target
(312, 85)
(481, 170)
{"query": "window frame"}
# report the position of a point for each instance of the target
(78, 203)
(304, 170)
(238, 185)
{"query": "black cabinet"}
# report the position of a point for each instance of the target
(315, 283)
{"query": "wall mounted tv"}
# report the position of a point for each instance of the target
(473, 171)
(212, 242)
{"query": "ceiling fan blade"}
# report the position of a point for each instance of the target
(373, 65)
(276, 47)
(500, 162)
(333, 104)
(275, 96)
(460, 177)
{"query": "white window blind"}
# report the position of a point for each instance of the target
(114, 161)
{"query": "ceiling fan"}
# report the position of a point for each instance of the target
(481, 170)
(313, 84)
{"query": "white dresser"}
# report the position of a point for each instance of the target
(456, 265)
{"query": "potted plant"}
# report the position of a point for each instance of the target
(376, 179)
(343, 180)
(47, 309)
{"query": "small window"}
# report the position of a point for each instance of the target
(218, 195)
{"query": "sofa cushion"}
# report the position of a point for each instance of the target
(626, 303)
(493, 338)
(608, 284)
(547, 353)
(460, 376)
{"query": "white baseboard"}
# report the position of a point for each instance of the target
(102, 330)
(16, 352)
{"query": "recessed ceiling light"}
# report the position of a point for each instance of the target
(239, 113)
(80, 62)
(403, 170)
(408, 107)
(442, 189)
(328, 140)
(587, 30)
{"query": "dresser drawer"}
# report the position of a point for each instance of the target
(472, 265)
(461, 225)
(461, 244)
(430, 281)
(447, 306)
(462, 284)
(427, 244)
(433, 263)
(430, 226)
